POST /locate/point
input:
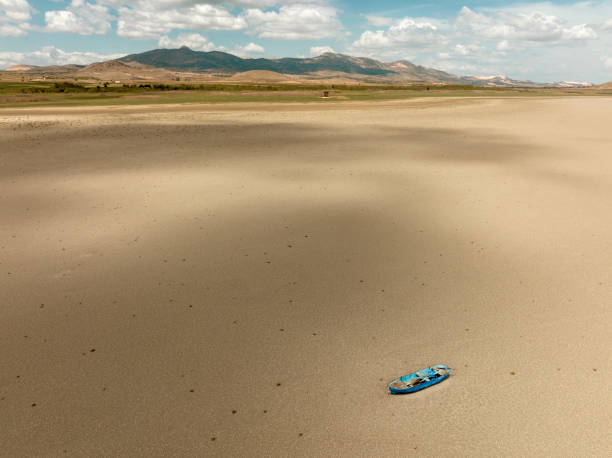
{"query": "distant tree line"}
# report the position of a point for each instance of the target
(107, 87)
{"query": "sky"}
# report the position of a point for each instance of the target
(540, 41)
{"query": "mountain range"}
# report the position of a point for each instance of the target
(328, 64)
(164, 64)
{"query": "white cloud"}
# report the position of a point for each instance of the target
(318, 50)
(11, 30)
(579, 32)
(533, 26)
(379, 21)
(503, 45)
(81, 18)
(248, 50)
(295, 22)
(14, 17)
(405, 36)
(146, 22)
(152, 19)
(607, 61)
(199, 42)
(160, 5)
(537, 40)
(15, 10)
(193, 41)
(461, 50)
(50, 55)
(480, 25)
(373, 39)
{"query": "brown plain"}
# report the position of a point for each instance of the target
(245, 280)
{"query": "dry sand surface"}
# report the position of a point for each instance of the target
(245, 280)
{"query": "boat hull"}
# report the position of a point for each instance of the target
(419, 380)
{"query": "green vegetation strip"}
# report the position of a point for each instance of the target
(35, 94)
(67, 87)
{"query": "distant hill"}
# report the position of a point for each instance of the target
(48, 69)
(327, 65)
(260, 75)
(19, 68)
(497, 81)
(116, 70)
(605, 86)
(187, 60)
(184, 64)
(408, 70)
(110, 65)
(504, 81)
(571, 84)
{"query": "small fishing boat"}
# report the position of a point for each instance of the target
(419, 380)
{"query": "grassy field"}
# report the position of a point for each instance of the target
(36, 94)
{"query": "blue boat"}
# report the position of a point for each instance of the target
(419, 380)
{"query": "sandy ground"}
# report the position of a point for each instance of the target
(213, 281)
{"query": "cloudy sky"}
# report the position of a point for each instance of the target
(541, 41)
